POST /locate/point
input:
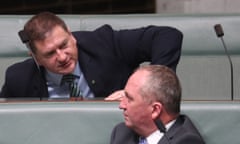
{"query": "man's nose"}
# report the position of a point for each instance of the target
(61, 56)
(122, 104)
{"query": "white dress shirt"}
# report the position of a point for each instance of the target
(157, 135)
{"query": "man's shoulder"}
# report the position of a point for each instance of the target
(185, 122)
(22, 66)
(185, 130)
(123, 134)
(100, 28)
(122, 129)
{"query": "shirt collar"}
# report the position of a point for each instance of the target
(53, 77)
(56, 78)
(157, 135)
(168, 125)
(77, 70)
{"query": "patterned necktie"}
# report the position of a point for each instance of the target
(71, 80)
(142, 140)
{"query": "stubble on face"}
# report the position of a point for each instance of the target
(138, 111)
(58, 52)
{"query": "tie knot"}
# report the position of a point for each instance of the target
(68, 78)
(142, 140)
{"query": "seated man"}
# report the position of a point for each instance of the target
(99, 61)
(151, 109)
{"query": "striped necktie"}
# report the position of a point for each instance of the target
(72, 81)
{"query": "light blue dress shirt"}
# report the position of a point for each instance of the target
(58, 91)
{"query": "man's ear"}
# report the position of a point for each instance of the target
(157, 109)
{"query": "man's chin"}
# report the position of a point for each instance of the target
(63, 72)
(128, 124)
(67, 70)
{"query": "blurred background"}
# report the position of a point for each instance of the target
(119, 6)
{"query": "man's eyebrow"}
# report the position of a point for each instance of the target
(127, 95)
(63, 43)
(48, 52)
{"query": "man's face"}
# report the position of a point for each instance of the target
(136, 111)
(57, 52)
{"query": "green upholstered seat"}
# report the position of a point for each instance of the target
(92, 122)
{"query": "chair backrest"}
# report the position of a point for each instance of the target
(204, 69)
(92, 122)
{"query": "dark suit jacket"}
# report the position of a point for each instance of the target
(183, 131)
(106, 57)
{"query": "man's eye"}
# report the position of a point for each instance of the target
(129, 99)
(64, 45)
(49, 54)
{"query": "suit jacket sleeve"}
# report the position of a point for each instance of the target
(108, 57)
(159, 45)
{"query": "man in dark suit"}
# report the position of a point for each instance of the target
(101, 60)
(151, 109)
